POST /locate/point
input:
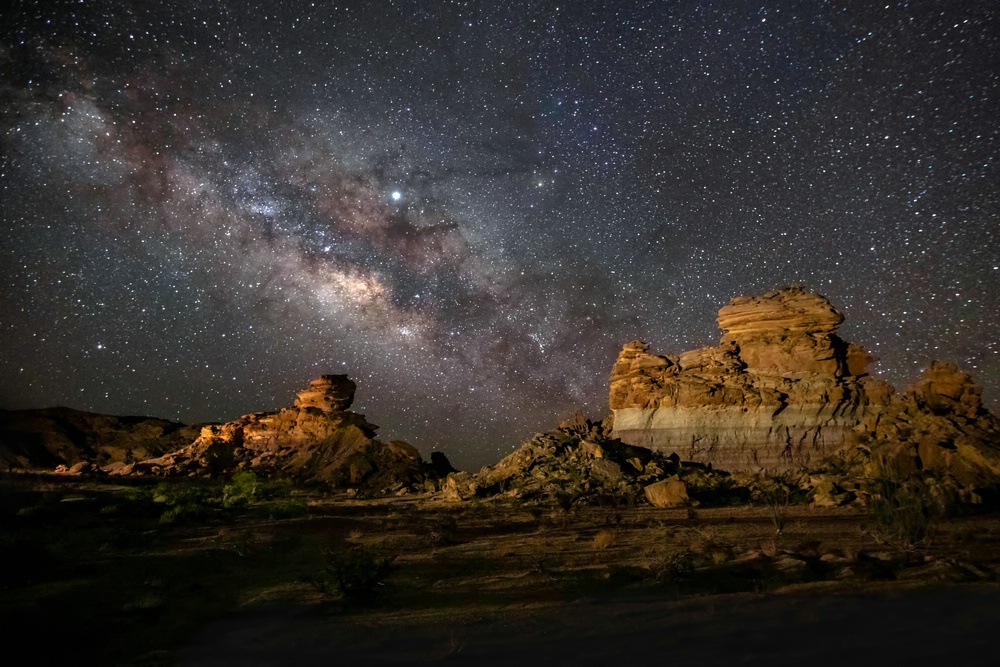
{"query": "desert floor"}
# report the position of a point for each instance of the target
(93, 573)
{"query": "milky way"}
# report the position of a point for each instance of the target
(470, 206)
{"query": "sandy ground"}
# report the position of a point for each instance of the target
(89, 578)
(945, 626)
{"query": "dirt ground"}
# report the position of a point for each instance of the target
(92, 575)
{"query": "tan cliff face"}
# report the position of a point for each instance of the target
(780, 390)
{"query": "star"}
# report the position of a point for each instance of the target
(472, 220)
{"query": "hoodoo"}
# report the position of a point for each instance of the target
(780, 390)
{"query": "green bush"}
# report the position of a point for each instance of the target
(241, 490)
(353, 573)
(183, 500)
(288, 508)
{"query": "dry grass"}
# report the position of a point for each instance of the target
(604, 539)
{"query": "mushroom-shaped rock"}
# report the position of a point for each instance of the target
(790, 310)
(329, 393)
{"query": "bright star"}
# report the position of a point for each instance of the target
(396, 195)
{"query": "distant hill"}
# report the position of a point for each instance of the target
(49, 437)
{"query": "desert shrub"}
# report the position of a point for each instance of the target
(444, 530)
(903, 511)
(673, 567)
(776, 494)
(288, 508)
(241, 490)
(183, 501)
(353, 573)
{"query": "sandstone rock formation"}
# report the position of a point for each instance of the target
(316, 440)
(780, 391)
(51, 437)
(938, 425)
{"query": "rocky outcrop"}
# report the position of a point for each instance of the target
(938, 425)
(51, 437)
(316, 440)
(578, 463)
(780, 391)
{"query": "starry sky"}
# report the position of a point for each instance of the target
(470, 206)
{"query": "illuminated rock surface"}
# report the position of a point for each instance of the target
(317, 440)
(780, 390)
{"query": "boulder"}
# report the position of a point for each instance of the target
(671, 492)
(459, 486)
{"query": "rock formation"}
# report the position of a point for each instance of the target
(780, 390)
(579, 463)
(938, 425)
(51, 437)
(316, 440)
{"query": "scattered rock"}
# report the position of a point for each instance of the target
(579, 463)
(828, 494)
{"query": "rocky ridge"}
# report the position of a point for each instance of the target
(52, 437)
(783, 394)
(316, 440)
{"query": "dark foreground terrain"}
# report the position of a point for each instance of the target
(199, 573)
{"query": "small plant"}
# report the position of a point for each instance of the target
(776, 493)
(902, 511)
(353, 573)
(444, 530)
(183, 501)
(605, 538)
(288, 508)
(673, 567)
(241, 490)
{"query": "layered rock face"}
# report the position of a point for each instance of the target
(316, 440)
(780, 391)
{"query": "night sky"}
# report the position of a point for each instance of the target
(469, 206)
